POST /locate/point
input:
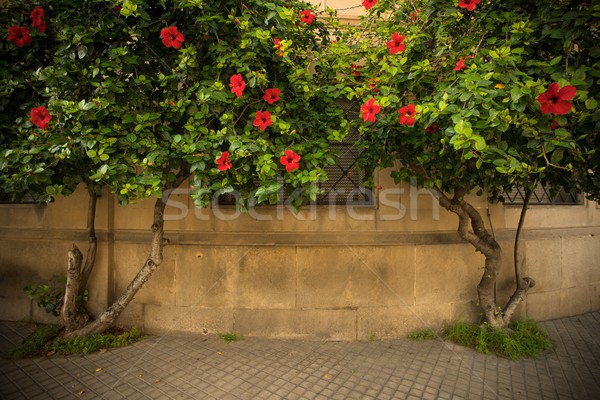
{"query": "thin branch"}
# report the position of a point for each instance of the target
(526, 200)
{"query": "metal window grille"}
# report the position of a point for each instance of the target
(7, 199)
(346, 179)
(542, 196)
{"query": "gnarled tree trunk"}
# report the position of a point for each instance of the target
(73, 313)
(472, 229)
(155, 258)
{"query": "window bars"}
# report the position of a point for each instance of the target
(542, 196)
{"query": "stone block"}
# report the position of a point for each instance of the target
(559, 303)
(132, 315)
(302, 324)
(172, 319)
(447, 273)
(575, 301)
(239, 277)
(340, 277)
(543, 306)
(581, 261)
(543, 262)
(129, 259)
(15, 309)
(396, 322)
(595, 296)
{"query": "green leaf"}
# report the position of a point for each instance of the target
(463, 127)
(82, 51)
(591, 104)
(555, 60)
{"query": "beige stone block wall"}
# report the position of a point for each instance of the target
(567, 273)
(328, 272)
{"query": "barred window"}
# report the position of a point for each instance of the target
(346, 179)
(542, 196)
(7, 199)
(345, 184)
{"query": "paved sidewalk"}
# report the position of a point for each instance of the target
(186, 367)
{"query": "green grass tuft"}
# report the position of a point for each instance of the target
(93, 343)
(230, 337)
(34, 343)
(46, 339)
(422, 334)
(522, 339)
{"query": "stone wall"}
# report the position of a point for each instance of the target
(329, 272)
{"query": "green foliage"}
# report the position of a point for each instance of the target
(94, 343)
(131, 113)
(486, 128)
(522, 339)
(46, 339)
(230, 337)
(422, 334)
(35, 342)
(48, 296)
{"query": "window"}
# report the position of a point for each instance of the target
(542, 196)
(346, 179)
(7, 199)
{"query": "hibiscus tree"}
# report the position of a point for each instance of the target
(519, 109)
(145, 98)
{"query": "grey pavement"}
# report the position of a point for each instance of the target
(204, 367)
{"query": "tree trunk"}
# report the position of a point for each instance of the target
(472, 229)
(73, 313)
(155, 258)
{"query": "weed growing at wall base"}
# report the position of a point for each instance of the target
(46, 339)
(230, 337)
(422, 334)
(522, 339)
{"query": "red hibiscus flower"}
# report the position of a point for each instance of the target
(307, 17)
(355, 69)
(369, 3)
(415, 15)
(171, 37)
(19, 35)
(433, 128)
(396, 45)
(39, 24)
(278, 46)
(262, 119)
(556, 100)
(553, 124)
(237, 85)
(291, 160)
(373, 84)
(223, 163)
(271, 95)
(40, 117)
(407, 115)
(37, 19)
(468, 4)
(460, 65)
(369, 110)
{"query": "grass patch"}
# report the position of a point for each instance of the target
(46, 340)
(422, 334)
(230, 337)
(93, 343)
(33, 344)
(522, 339)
